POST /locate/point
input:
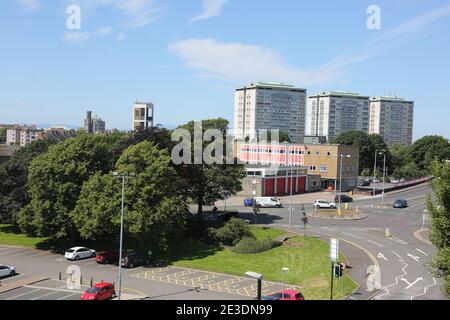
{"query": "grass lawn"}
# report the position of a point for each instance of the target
(11, 236)
(307, 260)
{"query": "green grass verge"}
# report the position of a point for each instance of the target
(307, 259)
(11, 236)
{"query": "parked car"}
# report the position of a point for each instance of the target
(7, 271)
(132, 259)
(400, 204)
(319, 204)
(269, 202)
(78, 253)
(226, 216)
(284, 295)
(106, 257)
(343, 199)
(100, 291)
(364, 183)
(248, 202)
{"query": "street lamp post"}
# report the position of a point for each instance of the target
(123, 177)
(290, 210)
(375, 173)
(284, 270)
(340, 180)
(384, 178)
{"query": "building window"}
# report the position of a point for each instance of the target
(312, 168)
(318, 153)
(323, 168)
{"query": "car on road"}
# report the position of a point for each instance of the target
(78, 253)
(269, 202)
(7, 271)
(248, 202)
(321, 204)
(107, 257)
(400, 204)
(100, 291)
(343, 199)
(132, 259)
(364, 183)
(284, 295)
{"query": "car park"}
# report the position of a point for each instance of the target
(100, 291)
(321, 204)
(78, 253)
(7, 271)
(343, 199)
(284, 295)
(400, 204)
(269, 202)
(107, 257)
(132, 259)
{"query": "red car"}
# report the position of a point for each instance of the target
(101, 291)
(284, 295)
(106, 257)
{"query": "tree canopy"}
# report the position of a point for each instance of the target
(426, 149)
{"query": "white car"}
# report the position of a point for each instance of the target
(269, 202)
(6, 271)
(78, 253)
(319, 204)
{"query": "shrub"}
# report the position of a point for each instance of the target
(252, 245)
(230, 234)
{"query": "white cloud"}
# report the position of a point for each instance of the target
(30, 5)
(76, 37)
(211, 8)
(239, 62)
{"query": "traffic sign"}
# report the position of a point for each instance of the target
(334, 249)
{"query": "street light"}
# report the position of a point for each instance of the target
(122, 176)
(384, 178)
(285, 271)
(375, 172)
(340, 180)
(258, 277)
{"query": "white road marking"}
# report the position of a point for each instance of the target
(399, 241)
(380, 245)
(416, 258)
(396, 254)
(425, 289)
(38, 254)
(351, 235)
(422, 252)
(65, 297)
(44, 295)
(381, 256)
(23, 294)
(11, 279)
(331, 229)
(134, 269)
(396, 281)
(411, 284)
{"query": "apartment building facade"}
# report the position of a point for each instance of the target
(269, 106)
(393, 119)
(143, 115)
(331, 113)
(22, 136)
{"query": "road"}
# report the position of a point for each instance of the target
(399, 263)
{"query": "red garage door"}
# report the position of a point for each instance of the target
(269, 185)
(301, 184)
(280, 186)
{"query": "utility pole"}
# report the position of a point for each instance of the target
(374, 173)
(384, 178)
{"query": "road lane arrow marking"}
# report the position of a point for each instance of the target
(422, 252)
(416, 258)
(381, 256)
(411, 284)
(399, 256)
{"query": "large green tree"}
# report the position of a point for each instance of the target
(439, 210)
(426, 149)
(13, 180)
(155, 207)
(204, 182)
(55, 180)
(368, 144)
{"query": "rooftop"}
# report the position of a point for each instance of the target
(273, 85)
(391, 98)
(340, 94)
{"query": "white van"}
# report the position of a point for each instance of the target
(269, 202)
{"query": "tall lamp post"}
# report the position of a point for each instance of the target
(384, 178)
(122, 176)
(375, 173)
(340, 180)
(285, 271)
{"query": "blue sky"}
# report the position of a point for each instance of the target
(187, 56)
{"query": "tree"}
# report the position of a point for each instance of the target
(13, 180)
(439, 210)
(207, 183)
(425, 150)
(155, 207)
(368, 144)
(55, 180)
(2, 135)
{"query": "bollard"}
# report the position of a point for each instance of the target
(346, 206)
(81, 280)
(60, 276)
(92, 281)
(388, 233)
